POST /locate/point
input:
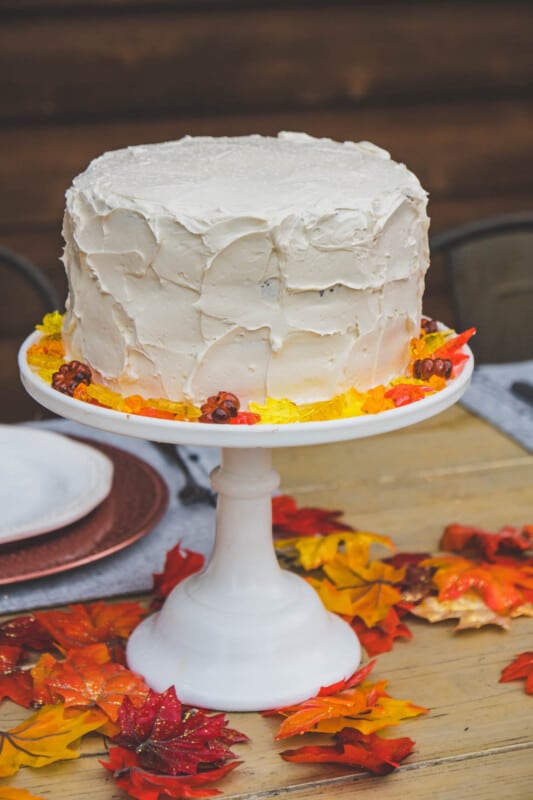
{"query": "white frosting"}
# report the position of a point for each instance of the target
(283, 267)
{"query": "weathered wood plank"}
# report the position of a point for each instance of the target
(457, 150)
(173, 61)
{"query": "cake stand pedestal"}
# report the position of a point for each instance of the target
(242, 635)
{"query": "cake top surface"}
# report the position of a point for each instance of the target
(268, 177)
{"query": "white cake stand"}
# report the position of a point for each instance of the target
(242, 635)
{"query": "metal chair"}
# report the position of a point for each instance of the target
(33, 276)
(490, 268)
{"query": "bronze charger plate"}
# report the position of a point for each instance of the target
(136, 502)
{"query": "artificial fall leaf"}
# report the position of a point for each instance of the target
(367, 708)
(521, 667)
(25, 631)
(476, 542)
(469, 609)
(87, 678)
(15, 683)
(370, 752)
(316, 551)
(146, 785)
(354, 591)
(498, 584)
(288, 519)
(380, 638)
(47, 736)
(86, 624)
(174, 739)
(11, 793)
(355, 679)
(179, 564)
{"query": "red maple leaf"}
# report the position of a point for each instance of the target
(81, 625)
(179, 564)
(146, 785)
(365, 751)
(25, 631)
(476, 542)
(288, 519)
(15, 683)
(172, 738)
(380, 638)
(521, 667)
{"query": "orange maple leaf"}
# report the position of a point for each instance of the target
(499, 585)
(368, 708)
(87, 678)
(92, 622)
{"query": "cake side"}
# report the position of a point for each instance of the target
(282, 267)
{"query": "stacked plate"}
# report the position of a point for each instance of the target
(65, 502)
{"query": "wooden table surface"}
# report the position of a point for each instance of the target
(477, 740)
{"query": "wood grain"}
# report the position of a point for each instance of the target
(489, 152)
(257, 58)
(477, 739)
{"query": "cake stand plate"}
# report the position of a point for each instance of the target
(243, 635)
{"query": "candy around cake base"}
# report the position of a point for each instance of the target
(436, 356)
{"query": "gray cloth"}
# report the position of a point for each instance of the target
(131, 569)
(490, 397)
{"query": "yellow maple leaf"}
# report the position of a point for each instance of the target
(11, 793)
(350, 546)
(355, 591)
(387, 711)
(45, 737)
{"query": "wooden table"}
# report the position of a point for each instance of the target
(477, 741)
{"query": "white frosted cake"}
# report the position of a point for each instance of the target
(268, 267)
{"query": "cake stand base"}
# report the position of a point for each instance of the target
(243, 635)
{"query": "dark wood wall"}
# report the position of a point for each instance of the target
(444, 86)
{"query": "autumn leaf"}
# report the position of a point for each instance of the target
(476, 542)
(370, 752)
(355, 679)
(146, 785)
(316, 551)
(368, 708)
(87, 678)
(174, 739)
(15, 683)
(86, 624)
(288, 519)
(354, 591)
(498, 584)
(179, 564)
(25, 631)
(521, 667)
(11, 793)
(380, 637)
(469, 609)
(47, 736)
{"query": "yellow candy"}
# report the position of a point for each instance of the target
(105, 396)
(276, 411)
(52, 324)
(185, 411)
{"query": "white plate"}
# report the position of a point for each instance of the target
(47, 481)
